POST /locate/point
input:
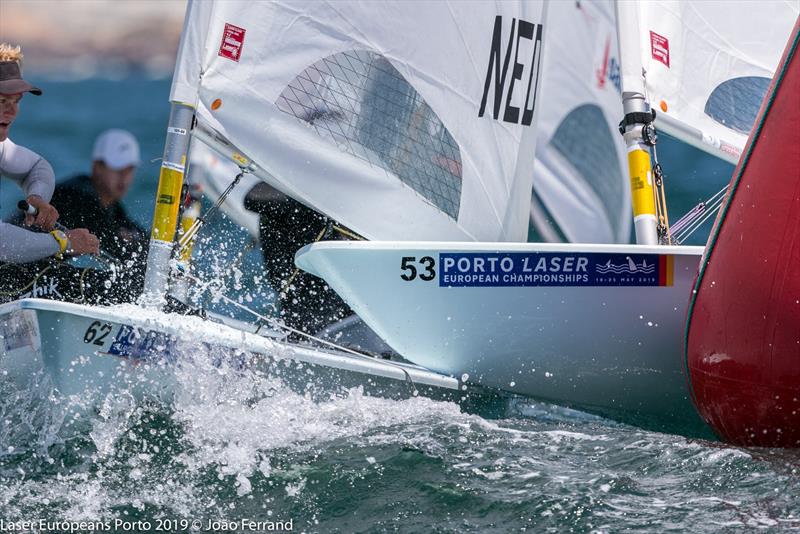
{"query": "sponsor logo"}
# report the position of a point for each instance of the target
(518, 84)
(232, 42)
(553, 269)
(50, 289)
(137, 344)
(630, 267)
(659, 48)
(609, 70)
(18, 329)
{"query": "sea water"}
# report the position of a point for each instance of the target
(244, 452)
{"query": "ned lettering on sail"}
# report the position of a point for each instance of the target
(527, 58)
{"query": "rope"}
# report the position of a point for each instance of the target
(28, 286)
(262, 319)
(348, 233)
(699, 215)
(331, 226)
(186, 239)
(662, 216)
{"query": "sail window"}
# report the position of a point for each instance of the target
(361, 103)
(585, 141)
(735, 103)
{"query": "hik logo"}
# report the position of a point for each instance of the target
(502, 82)
(48, 290)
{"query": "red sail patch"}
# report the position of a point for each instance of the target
(659, 48)
(232, 42)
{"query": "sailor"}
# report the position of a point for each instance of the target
(95, 201)
(286, 225)
(34, 175)
(29, 261)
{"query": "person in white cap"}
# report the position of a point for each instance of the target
(35, 176)
(95, 201)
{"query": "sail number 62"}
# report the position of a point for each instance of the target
(411, 268)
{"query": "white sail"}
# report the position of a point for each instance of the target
(707, 64)
(402, 120)
(580, 185)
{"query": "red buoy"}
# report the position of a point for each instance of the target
(743, 332)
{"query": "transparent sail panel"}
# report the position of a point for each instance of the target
(542, 226)
(361, 103)
(584, 140)
(735, 103)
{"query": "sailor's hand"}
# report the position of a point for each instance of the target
(45, 218)
(81, 241)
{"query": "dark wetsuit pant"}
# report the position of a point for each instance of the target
(59, 280)
(306, 302)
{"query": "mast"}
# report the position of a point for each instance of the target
(168, 199)
(636, 127)
(183, 101)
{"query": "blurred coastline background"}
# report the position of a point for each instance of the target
(101, 64)
(80, 39)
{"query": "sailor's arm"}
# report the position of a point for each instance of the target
(36, 178)
(18, 245)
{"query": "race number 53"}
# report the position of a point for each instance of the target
(411, 268)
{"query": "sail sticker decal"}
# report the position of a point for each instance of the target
(232, 42)
(609, 70)
(659, 48)
(358, 101)
(497, 73)
(19, 329)
(525, 269)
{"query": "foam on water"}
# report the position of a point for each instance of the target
(236, 443)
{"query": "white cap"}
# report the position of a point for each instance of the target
(117, 149)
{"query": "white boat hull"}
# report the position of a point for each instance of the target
(85, 350)
(608, 348)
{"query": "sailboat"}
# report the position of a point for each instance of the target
(425, 147)
(539, 319)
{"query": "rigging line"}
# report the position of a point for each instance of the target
(659, 191)
(348, 233)
(714, 208)
(686, 225)
(274, 322)
(192, 231)
(694, 224)
(325, 231)
(698, 222)
(690, 216)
